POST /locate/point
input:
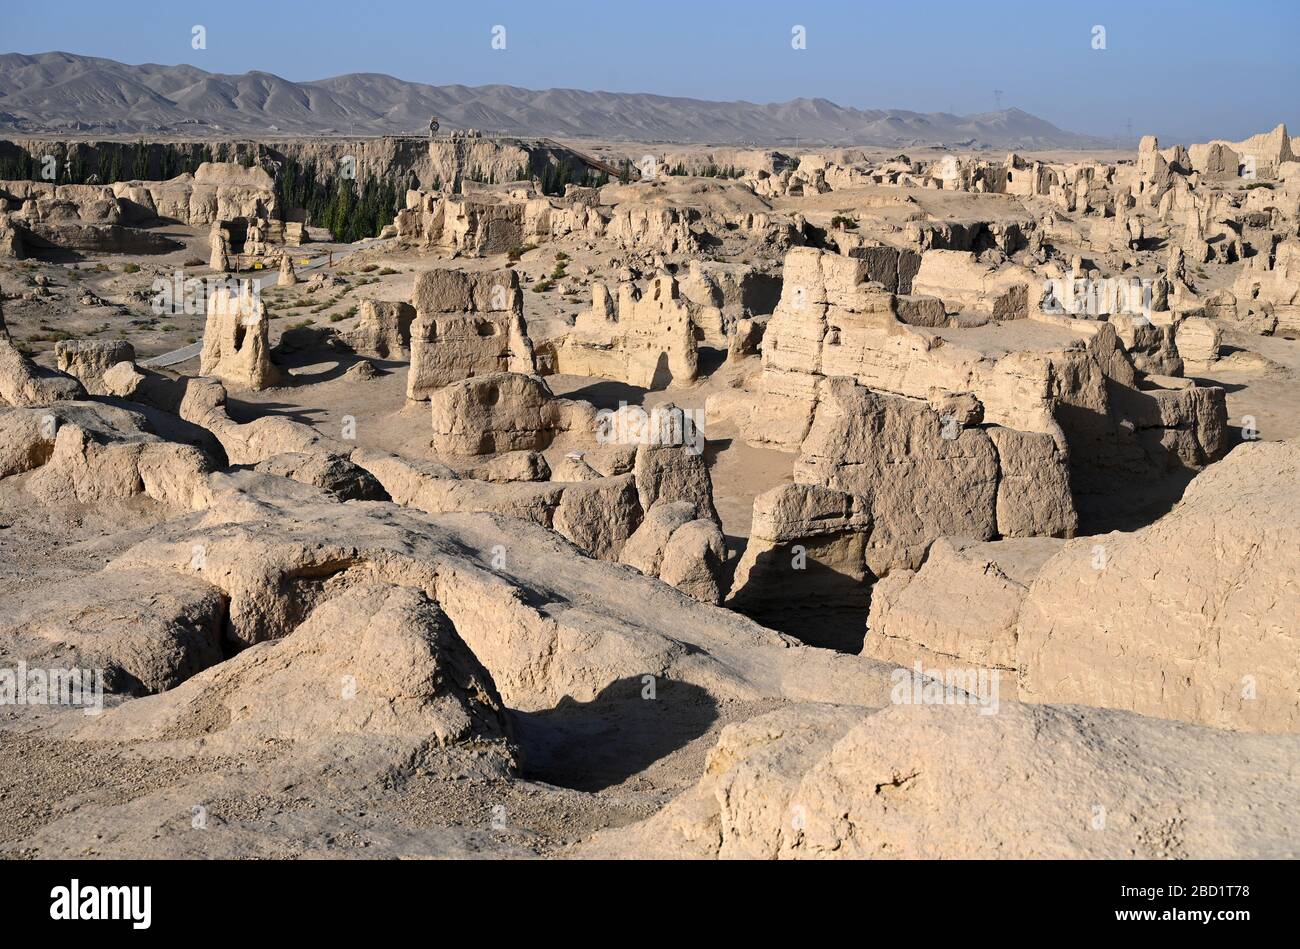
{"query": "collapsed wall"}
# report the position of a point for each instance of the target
(1086, 396)
(647, 340)
(466, 325)
(112, 218)
(236, 340)
(879, 478)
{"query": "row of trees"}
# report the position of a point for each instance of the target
(554, 178)
(106, 163)
(351, 214)
(336, 203)
(709, 171)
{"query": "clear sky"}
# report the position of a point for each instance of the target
(1187, 71)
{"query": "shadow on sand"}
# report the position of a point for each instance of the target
(590, 746)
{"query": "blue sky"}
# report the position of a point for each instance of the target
(1186, 71)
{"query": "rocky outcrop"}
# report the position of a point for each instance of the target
(219, 256)
(684, 550)
(544, 622)
(925, 475)
(202, 403)
(1033, 496)
(511, 466)
(89, 359)
(596, 515)
(1150, 346)
(104, 218)
(650, 343)
(674, 472)
(504, 411)
(217, 191)
(805, 560)
(894, 268)
(383, 330)
(331, 472)
(477, 224)
(1267, 290)
(933, 781)
(831, 322)
(23, 382)
(378, 660)
(287, 277)
(1085, 395)
(148, 632)
(88, 453)
(731, 292)
(959, 608)
(1198, 341)
(433, 487)
(1192, 617)
(878, 480)
(693, 561)
(966, 285)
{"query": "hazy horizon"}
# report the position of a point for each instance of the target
(1182, 71)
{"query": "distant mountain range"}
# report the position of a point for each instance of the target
(65, 93)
